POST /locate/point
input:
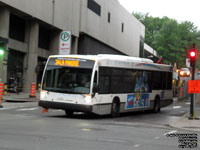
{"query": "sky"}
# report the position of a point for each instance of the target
(181, 10)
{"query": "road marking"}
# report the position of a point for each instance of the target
(137, 145)
(27, 109)
(85, 129)
(170, 132)
(176, 107)
(57, 110)
(187, 103)
(112, 140)
(157, 137)
(7, 108)
(182, 111)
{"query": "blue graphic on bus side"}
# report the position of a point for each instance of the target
(162, 94)
(137, 100)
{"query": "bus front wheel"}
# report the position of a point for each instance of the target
(69, 112)
(115, 109)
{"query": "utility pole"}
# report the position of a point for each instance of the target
(193, 57)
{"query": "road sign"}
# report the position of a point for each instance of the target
(65, 43)
(188, 62)
(194, 86)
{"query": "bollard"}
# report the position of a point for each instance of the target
(44, 110)
(33, 90)
(5, 92)
(181, 92)
(1, 94)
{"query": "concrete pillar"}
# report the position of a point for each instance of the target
(4, 33)
(31, 58)
(54, 43)
(74, 45)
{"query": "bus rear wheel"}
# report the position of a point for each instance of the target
(69, 112)
(115, 109)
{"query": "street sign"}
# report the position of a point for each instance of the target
(187, 62)
(194, 86)
(65, 43)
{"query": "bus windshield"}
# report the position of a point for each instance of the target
(67, 79)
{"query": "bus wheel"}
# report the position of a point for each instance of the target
(69, 112)
(156, 107)
(115, 109)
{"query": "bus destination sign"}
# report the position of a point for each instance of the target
(71, 62)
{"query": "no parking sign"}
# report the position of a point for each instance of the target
(65, 43)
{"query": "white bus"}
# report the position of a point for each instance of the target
(105, 84)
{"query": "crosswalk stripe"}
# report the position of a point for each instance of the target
(27, 109)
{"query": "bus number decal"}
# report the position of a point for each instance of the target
(72, 63)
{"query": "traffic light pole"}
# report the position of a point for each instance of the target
(192, 103)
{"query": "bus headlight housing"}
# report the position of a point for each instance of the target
(88, 99)
(42, 94)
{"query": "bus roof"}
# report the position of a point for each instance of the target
(107, 56)
(119, 58)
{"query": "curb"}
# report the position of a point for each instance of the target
(180, 124)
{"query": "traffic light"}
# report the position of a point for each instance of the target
(2, 49)
(192, 56)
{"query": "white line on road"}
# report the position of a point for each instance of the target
(57, 110)
(176, 107)
(27, 109)
(170, 132)
(157, 137)
(7, 108)
(112, 140)
(187, 103)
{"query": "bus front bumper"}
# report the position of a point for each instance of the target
(65, 106)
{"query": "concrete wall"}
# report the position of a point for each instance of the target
(63, 14)
(73, 15)
(110, 33)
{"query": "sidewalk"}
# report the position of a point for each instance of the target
(185, 123)
(21, 97)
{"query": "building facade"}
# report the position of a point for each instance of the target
(32, 29)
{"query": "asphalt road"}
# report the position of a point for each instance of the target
(24, 127)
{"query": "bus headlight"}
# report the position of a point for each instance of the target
(42, 95)
(88, 99)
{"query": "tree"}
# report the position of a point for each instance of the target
(170, 38)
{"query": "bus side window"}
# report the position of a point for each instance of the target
(104, 84)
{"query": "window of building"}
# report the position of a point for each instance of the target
(44, 38)
(109, 17)
(122, 29)
(95, 7)
(17, 28)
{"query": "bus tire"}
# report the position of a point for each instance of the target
(115, 108)
(156, 107)
(69, 112)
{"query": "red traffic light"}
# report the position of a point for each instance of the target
(192, 54)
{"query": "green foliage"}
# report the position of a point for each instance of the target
(171, 39)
